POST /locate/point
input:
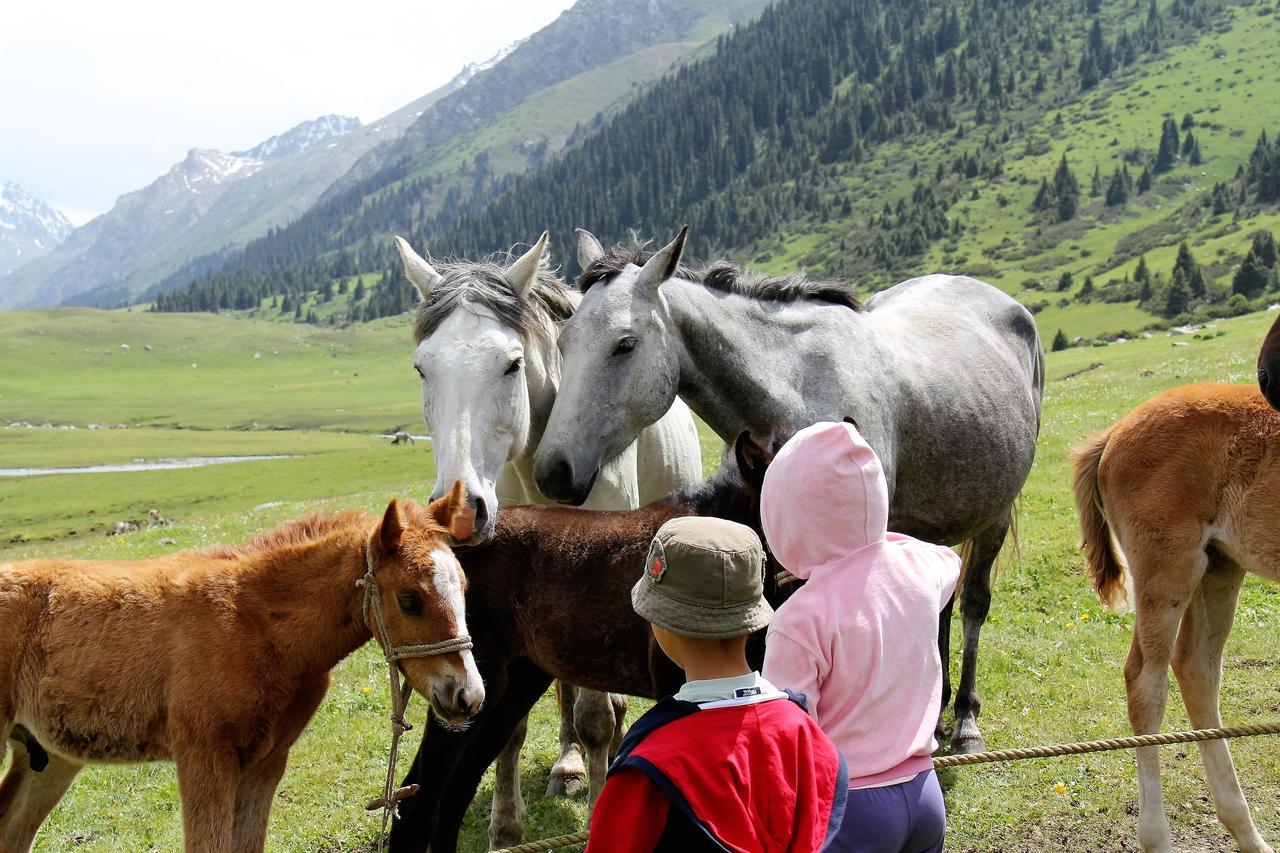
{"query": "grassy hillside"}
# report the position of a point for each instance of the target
(1052, 660)
(1223, 77)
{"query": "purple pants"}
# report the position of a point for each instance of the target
(905, 818)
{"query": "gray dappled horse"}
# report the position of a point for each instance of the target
(943, 374)
(485, 337)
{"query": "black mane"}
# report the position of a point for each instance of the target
(725, 277)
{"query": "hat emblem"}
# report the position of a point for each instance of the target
(655, 568)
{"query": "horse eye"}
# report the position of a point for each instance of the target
(515, 367)
(410, 604)
(625, 345)
(420, 373)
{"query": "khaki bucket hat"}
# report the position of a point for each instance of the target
(704, 577)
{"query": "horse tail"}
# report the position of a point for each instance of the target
(1102, 563)
(1013, 552)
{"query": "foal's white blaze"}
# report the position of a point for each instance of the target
(475, 397)
(446, 576)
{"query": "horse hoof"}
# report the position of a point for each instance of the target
(502, 837)
(968, 745)
(566, 784)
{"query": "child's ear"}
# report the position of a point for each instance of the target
(454, 513)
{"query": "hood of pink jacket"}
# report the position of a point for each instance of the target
(824, 497)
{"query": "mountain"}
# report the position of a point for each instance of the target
(29, 228)
(549, 92)
(1106, 161)
(210, 204)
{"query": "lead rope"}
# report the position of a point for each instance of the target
(391, 796)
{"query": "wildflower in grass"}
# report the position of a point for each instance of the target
(366, 690)
(1060, 788)
(1071, 624)
(1084, 617)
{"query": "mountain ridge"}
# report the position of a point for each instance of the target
(29, 227)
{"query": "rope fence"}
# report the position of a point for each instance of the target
(1001, 755)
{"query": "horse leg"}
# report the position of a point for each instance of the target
(1162, 587)
(208, 777)
(257, 788)
(597, 722)
(620, 703)
(526, 683)
(569, 772)
(27, 797)
(254, 796)
(1197, 663)
(975, 603)
(506, 823)
(944, 652)
(417, 818)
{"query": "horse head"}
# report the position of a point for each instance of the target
(486, 360)
(617, 346)
(418, 584)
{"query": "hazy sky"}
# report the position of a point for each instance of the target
(100, 98)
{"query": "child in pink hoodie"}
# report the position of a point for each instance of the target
(859, 639)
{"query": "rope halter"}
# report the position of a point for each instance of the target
(393, 654)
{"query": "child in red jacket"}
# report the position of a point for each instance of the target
(730, 762)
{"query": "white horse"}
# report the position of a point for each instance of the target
(487, 356)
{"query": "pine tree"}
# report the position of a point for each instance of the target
(1176, 300)
(1065, 281)
(1144, 180)
(1117, 190)
(1251, 277)
(1066, 190)
(1264, 247)
(1060, 341)
(1188, 122)
(1086, 290)
(1095, 185)
(1142, 275)
(1186, 267)
(1167, 155)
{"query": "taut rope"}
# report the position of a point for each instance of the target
(391, 796)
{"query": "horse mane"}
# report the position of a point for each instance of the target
(726, 277)
(484, 283)
(298, 531)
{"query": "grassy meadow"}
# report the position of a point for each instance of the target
(1052, 656)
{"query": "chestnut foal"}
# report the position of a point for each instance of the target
(1187, 486)
(217, 659)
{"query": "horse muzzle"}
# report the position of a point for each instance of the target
(558, 480)
(456, 702)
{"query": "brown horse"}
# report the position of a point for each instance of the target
(550, 595)
(1269, 365)
(217, 659)
(1187, 486)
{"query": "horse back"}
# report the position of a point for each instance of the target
(1194, 465)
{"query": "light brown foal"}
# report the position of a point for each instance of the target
(216, 659)
(1188, 487)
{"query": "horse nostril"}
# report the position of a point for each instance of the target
(562, 475)
(1264, 379)
(482, 513)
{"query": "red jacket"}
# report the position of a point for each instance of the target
(752, 776)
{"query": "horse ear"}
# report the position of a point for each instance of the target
(391, 529)
(589, 248)
(524, 272)
(752, 459)
(664, 264)
(423, 276)
(454, 513)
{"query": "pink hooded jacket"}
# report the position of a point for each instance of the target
(860, 638)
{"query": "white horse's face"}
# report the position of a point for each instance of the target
(475, 399)
(619, 373)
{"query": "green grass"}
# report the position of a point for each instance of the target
(1052, 656)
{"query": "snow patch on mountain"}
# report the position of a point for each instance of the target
(300, 138)
(29, 228)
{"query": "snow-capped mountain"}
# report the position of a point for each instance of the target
(301, 138)
(29, 228)
(471, 69)
(209, 202)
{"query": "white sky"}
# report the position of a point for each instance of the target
(100, 97)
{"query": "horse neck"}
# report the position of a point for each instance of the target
(737, 369)
(542, 378)
(313, 610)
